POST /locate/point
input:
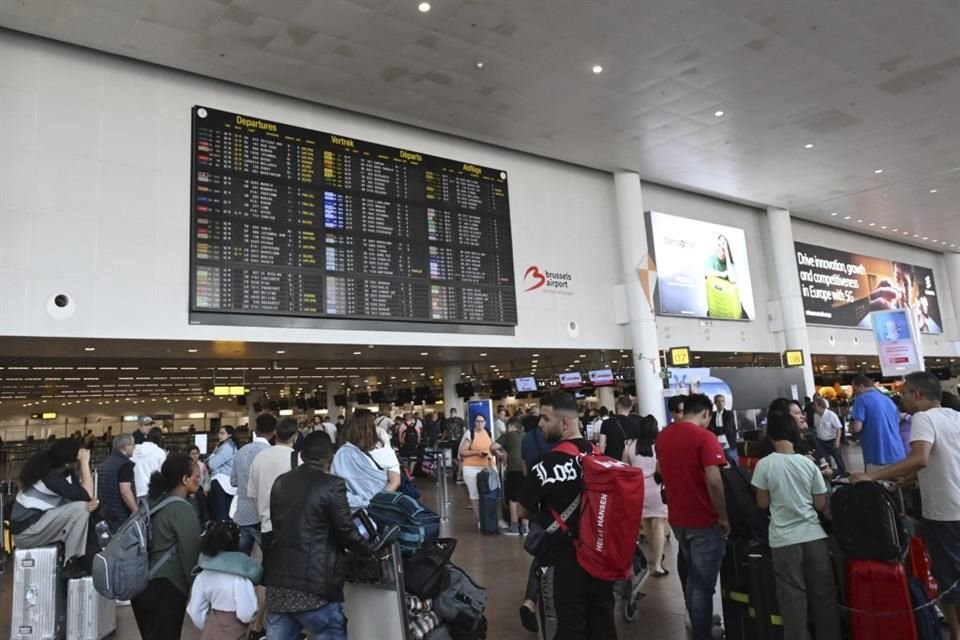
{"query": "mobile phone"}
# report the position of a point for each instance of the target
(364, 524)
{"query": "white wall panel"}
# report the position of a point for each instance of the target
(97, 187)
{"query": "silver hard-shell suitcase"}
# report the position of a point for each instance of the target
(90, 616)
(39, 602)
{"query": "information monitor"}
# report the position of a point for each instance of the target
(293, 227)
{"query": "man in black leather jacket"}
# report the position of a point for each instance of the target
(312, 525)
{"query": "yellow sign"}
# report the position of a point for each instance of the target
(229, 391)
(680, 357)
(793, 358)
(49, 415)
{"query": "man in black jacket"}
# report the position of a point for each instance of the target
(312, 525)
(724, 426)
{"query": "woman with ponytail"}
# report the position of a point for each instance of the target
(160, 609)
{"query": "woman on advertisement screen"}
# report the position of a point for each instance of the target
(723, 296)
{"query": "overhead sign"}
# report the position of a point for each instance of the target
(46, 415)
(793, 358)
(679, 357)
(601, 377)
(570, 380)
(702, 269)
(229, 391)
(842, 289)
(897, 343)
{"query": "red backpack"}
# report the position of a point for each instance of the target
(611, 508)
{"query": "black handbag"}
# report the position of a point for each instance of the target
(425, 572)
(536, 541)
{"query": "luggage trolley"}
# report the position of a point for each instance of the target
(376, 585)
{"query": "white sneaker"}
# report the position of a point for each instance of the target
(503, 524)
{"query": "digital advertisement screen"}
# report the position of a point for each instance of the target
(841, 289)
(896, 342)
(526, 384)
(601, 377)
(702, 269)
(570, 380)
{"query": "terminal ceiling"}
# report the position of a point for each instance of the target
(846, 107)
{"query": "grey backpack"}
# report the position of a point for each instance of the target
(122, 570)
(462, 604)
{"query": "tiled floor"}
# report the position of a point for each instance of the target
(499, 564)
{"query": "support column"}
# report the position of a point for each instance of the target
(451, 376)
(952, 263)
(333, 389)
(642, 323)
(788, 285)
(605, 397)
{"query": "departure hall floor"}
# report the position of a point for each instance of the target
(499, 564)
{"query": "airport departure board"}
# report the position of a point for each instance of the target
(292, 222)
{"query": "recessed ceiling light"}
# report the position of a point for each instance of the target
(424, 353)
(479, 65)
(873, 224)
(846, 217)
(809, 145)
(89, 348)
(535, 355)
(597, 68)
(423, 7)
(916, 235)
(883, 226)
(906, 233)
(860, 220)
(933, 190)
(483, 355)
(878, 171)
(358, 353)
(895, 229)
(926, 238)
(718, 113)
(834, 213)
(191, 350)
(281, 351)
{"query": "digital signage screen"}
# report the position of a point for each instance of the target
(526, 384)
(295, 227)
(896, 342)
(601, 377)
(702, 269)
(571, 380)
(841, 289)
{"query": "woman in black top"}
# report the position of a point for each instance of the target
(54, 504)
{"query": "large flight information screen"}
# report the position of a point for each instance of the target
(291, 222)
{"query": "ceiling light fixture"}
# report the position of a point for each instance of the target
(884, 227)
(281, 351)
(834, 213)
(873, 224)
(89, 348)
(191, 350)
(809, 145)
(424, 353)
(847, 217)
(358, 353)
(878, 171)
(906, 233)
(933, 190)
(483, 355)
(479, 65)
(597, 68)
(860, 220)
(718, 113)
(423, 7)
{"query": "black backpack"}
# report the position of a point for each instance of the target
(411, 439)
(747, 520)
(866, 523)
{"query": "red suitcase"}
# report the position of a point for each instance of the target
(918, 560)
(876, 587)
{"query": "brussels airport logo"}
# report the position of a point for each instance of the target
(548, 281)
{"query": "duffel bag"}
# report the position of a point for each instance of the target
(418, 524)
(462, 604)
(425, 572)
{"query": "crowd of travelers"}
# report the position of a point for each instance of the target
(291, 490)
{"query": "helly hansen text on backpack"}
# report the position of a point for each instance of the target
(122, 570)
(611, 509)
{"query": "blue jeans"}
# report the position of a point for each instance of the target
(249, 533)
(703, 551)
(326, 623)
(733, 456)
